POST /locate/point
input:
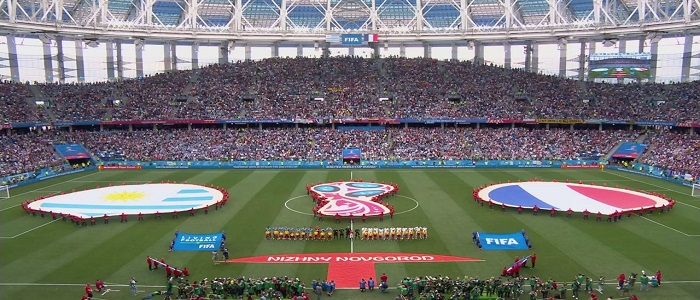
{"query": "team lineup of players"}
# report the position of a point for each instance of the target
(328, 233)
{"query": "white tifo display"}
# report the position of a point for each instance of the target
(4, 191)
(696, 190)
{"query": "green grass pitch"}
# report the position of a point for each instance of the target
(40, 259)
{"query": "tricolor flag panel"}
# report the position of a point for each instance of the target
(372, 38)
(564, 196)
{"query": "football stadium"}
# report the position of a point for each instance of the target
(350, 149)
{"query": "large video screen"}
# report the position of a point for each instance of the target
(352, 155)
(619, 65)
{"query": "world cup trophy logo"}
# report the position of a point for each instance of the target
(352, 198)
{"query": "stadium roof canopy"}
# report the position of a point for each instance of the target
(313, 19)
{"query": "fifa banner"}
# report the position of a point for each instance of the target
(198, 242)
(502, 241)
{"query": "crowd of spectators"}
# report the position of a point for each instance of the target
(351, 87)
(33, 151)
(14, 107)
(679, 153)
(327, 144)
(26, 153)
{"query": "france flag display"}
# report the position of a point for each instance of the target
(198, 242)
(562, 196)
(502, 241)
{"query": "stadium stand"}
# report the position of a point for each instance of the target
(351, 87)
(346, 87)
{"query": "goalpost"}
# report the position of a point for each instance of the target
(4, 192)
(696, 190)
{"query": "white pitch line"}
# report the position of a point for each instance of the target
(42, 225)
(676, 230)
(352, 240)
(55, 184)
(658, 186)
(112, 181)
(40, 190)
(76, 284)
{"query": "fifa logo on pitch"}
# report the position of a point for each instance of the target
(510, 241)
(207, 246)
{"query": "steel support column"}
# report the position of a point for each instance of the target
(507, 60)
(48, 62)
(223, 52)
(535, 63)
(167, 57)
(275, 50)
(79, 61)
(687, 58)
(455, 52)
(427, 50)
(60, 60)
(248, 52)
(654, 60)
(195, 55)
(300, 50)
(139, 44)
(402, 50)
(120, 60)
(562, 60)
(478, 53)
(375, 50)
(12, 57)
(351, 51)
(109, 46)
(528, 56)
(582, 62)
(173, 54)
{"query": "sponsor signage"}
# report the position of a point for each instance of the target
(198, 242)
(560, 121)
(565, 166)
(158, 122)
(119, 167)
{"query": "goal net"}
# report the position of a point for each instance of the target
(5, 191)
(696, 190)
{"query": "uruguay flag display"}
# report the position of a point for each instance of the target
(502, 241)
(198, 242)
(131, 200)
(565, 196)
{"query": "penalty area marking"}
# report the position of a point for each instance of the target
(55, 184)
(676, 230)
(658, 186)
(286, 204)
(42, 225)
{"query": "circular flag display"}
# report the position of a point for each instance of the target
(565, 196)
(352, 198)
(131, 200)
